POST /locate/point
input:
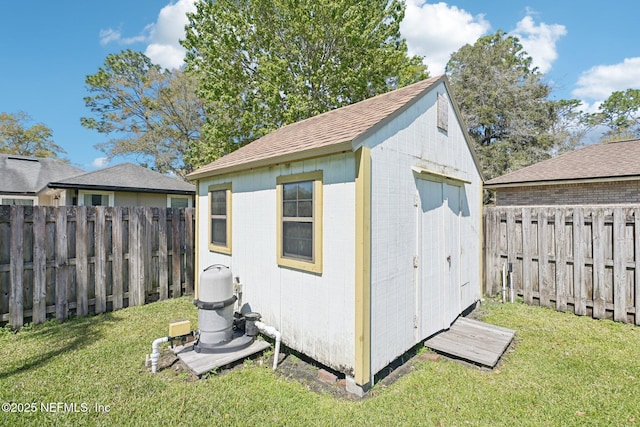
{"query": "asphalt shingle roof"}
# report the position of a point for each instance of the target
(332, 128)
(603, 160)
(29, 175)
(126, 177)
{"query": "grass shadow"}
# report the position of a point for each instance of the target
(56, 339)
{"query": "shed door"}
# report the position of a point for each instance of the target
(439, 256)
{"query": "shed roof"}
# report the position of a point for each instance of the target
(326, 133)
(29, 175)
(604, 161)
(126, 177)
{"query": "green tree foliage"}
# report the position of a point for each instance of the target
(267, 63)
(146, 111)
(17, 137)
(619, 113)
(505, 104)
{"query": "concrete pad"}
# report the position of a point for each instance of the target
(201, 363)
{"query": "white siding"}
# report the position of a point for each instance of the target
(314, 313)
(413, 139)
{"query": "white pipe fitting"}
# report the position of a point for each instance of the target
(272, 332)
(155, 353)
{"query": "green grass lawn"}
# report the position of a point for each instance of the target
(564, 370)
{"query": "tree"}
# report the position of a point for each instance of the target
(267, 63)
(149, 112)
(17, 138)
(619, 113)
(504, 103)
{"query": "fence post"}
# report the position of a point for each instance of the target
(511, 247)
(175, 252)
(163, 266)
(100, 260)
(543, 259)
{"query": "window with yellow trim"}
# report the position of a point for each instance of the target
(300, 221)
(220, 218)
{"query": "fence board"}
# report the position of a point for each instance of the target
(543, 259)
(636, 233)
(163, 266)
(46, 255)
(599, 294)
(619, 266)
(82, 268)
(561, 261)
(527, 261)
(117, 263)
(175, 252)
(100, 263)
(39, 309)
(62, 276)
(16, 296)
(579, 290)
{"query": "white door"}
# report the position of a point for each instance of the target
(439, 256)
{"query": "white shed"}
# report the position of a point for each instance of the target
(357, 232)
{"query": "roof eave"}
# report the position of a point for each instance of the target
(272, 161)
(117, 188)
(562, 181)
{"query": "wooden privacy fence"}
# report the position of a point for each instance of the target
(583, 259)
(75, 260)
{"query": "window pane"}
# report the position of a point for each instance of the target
(219, 231)
(219, 202)
(305, 209)
(290, 209)
(179, 202)
(290, 191)
(305, 190)
(297, 239)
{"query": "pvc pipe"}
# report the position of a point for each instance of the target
(504, 282)
(271, 331)
(155, 353)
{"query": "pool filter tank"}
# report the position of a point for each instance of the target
(215, 313)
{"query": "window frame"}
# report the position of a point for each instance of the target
(315, 264)
(170, 197)
(224, 249)
(34, 200)
(82, 193)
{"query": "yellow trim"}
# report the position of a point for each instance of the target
(481, 238)
(314, 266)
(226, 249)
(196, 276)
(362, 368)
(438, 175)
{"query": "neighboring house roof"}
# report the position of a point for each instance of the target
(126, 177)
(29, 175)
(328, 133)
(607, 161)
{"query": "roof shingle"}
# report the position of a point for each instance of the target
(332, 128)
(127, 177)
(598, 161)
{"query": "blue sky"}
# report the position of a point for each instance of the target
(586, 49)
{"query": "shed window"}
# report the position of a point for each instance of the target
(300, 221)
(220, 218)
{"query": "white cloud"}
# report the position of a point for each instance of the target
(164, 40)
(599, 82)
(100, 162)
(435, 31)
(162, 37)
(539, 41)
